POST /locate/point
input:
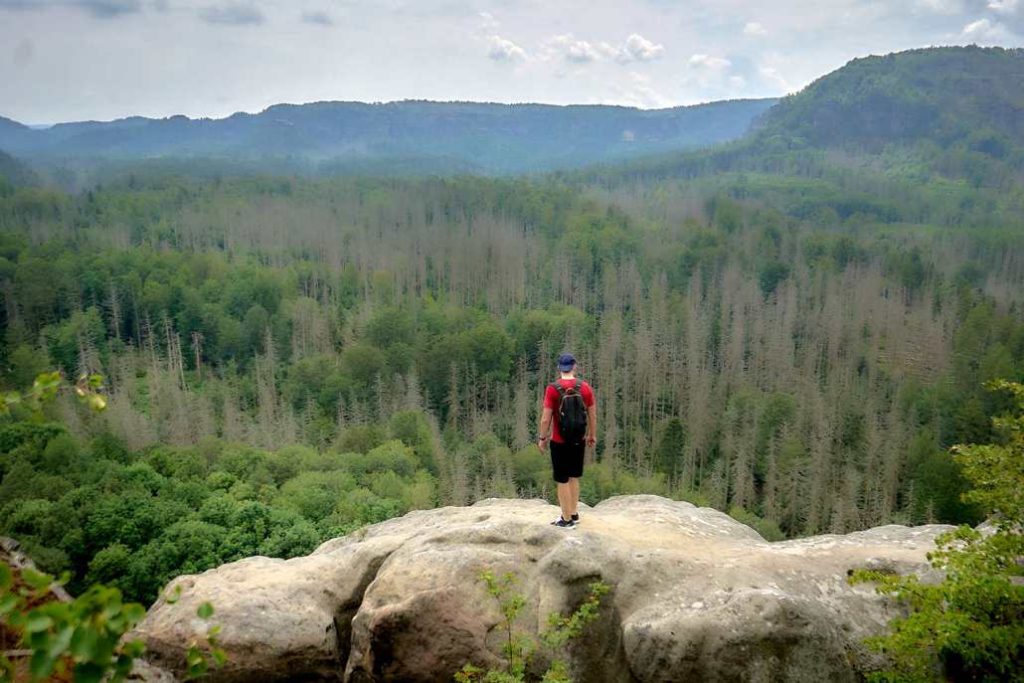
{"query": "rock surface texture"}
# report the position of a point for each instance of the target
(696, 596)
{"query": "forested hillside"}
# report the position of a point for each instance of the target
(943, 96)
(14, 172)
(791, 337)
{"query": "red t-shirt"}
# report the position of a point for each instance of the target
(551, 401)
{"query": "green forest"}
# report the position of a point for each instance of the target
(792, 331)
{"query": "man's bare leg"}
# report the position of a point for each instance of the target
(574, 487)
(565, 493)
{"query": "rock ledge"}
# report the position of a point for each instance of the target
(696, 596)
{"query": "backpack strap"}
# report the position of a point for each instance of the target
(562, 390)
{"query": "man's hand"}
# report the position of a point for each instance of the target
(591, 439)
(542, 443)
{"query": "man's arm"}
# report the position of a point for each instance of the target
(592, 425)
(544, 431)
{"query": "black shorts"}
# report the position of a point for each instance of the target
(567, 460)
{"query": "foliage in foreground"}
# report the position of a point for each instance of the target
(48, 385)
(969, 626)
(80, 637)
(520, 648)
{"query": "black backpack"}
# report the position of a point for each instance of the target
(571, 413)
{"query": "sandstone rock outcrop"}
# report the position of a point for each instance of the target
(695, 596)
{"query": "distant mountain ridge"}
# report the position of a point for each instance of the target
(957, 111)
(466, 136)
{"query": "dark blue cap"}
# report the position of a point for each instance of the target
(566, 362)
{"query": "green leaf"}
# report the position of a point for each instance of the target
(134, 648)
(61, 640)
(6, 576)
(41, 664)
(9, 603)
(133, 613)
(88, 672)
(205, 611)
(36, 580)
(83, 642)
(37, 622)
(122, 667)
(173, 597)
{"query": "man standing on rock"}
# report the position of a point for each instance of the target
(571, 402)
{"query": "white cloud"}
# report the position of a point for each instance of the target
(986, 31)
(639, 92)
(581, 51)
(946, 7)
(574, 50)
(976, 28)
(710, 76)
(713, 76)
(772, 75)
(635, 48)
(504, 50)
(703, 61)
(639, 49)
(488, 22)
(753, 28)
(1010, 15)
(1005, 6)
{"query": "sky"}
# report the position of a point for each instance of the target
(71, 60)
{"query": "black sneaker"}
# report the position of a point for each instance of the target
(563, 524)
(575, 518)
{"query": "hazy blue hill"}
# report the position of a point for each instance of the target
(8, 126)
(13, 133)
(14, 172)
(480, 137)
